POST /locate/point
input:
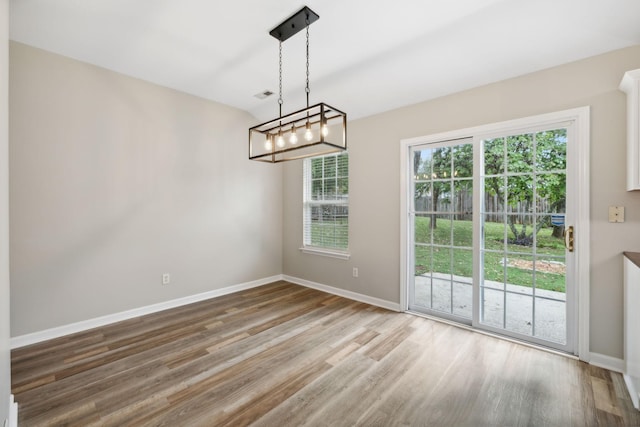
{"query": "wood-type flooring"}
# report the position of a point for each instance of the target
(285, 355)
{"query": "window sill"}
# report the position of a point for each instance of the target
(325, 252)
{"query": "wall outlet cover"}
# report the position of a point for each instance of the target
(616, 213)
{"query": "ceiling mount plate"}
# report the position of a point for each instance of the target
(295, 23)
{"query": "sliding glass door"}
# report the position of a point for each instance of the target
(487, 221)
(523, 256)
(442, 188)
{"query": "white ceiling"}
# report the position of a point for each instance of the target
(367, 56)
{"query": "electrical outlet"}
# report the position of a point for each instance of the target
(616, 213)
(355, 271)
(166, 278)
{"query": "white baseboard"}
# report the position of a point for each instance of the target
(607, 362)
(633, 392)
(343, 293)
(36, 337)
(13, 412)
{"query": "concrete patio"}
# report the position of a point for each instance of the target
(550, 315)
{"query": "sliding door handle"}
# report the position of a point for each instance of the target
(568, 238)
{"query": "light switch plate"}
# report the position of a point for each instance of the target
(616, 213)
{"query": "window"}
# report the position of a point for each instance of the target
(326, 205)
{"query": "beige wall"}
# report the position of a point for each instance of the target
(5, 372)
(375, 181)
(115, 181)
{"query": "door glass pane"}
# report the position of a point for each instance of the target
(421, 228)
(519, 313)
(443, 230)
(551, 150)
(520, 153)
(551, 320)
(519, 193)
(492, 313)
(441, 227)
(520, 274)
(463, 161)
(441, 163)
(494, 270)
(462, 299)
(494, 159)
(550, 277)
(423, 260)
(522, 246)
(441, 293)
(423, 196)
(520, 233)
(422, 291)
(462, 267)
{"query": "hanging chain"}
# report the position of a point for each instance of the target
(280, 76)
(307, 90)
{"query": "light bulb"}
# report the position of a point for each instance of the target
(325, 130)
(293, 139)
(268, 145)
(308, 135)
(280, 141)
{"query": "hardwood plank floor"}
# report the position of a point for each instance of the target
(285, 355)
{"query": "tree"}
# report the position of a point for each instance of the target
(509, 166)
(510, 163)
(442, 173)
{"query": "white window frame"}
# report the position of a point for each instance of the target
(307, 247)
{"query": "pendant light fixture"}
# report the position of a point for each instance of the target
(313, 131)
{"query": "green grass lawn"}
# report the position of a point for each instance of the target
(459, 261)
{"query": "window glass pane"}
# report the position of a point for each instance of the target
(316, 168)
(326, 211)
(330, 189)
(342, 190)
(343, 166)
(330, 167)
(316, 190)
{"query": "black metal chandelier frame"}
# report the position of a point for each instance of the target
(322, 128)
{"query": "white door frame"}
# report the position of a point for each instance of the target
(580, 174)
